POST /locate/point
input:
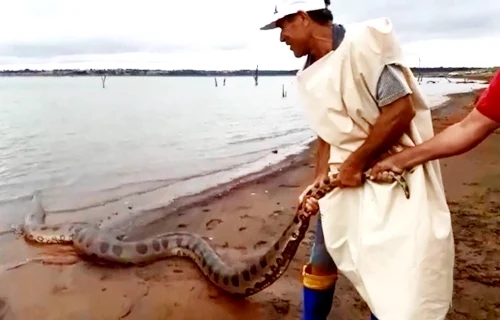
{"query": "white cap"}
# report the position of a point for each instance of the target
(286, 7)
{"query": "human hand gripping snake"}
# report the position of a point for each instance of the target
(90, 240)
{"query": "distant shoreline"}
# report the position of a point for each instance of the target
(425, 72)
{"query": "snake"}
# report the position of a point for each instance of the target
(259, 272)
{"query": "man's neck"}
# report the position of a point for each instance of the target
(322, 41)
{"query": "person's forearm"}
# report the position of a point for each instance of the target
(322, 157)
(454, 140)
(387, 130)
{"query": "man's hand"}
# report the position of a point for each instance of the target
(380, 170)
(311, 204)
(393, 122)
(351, 174)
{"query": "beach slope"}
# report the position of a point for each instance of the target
(244, 221)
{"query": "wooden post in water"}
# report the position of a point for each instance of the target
(103, 79)
(256, 76)
(283, 92)
(419, 75)
(215, 82)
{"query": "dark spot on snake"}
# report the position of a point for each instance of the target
(210, 270)
(44, 228)
(225, 280)
(141, 248)
(156, 245)
(249, 291)
(326, 180)
(277, 246)
(320, 193)
(269, 278)
(93, 256)
(196, 247)
(190, 244)
(316, 185)
(253, 269)
(235, 280)
(203, 262)
(179, 242)
(263, 262)
(246, 275)
(56, 228)
(296, 219)
(309, 192)
(117, 250)
(104, 247)
(216, 276)
(39, 238)
(78, 229)
(164, 243)
(280, 262)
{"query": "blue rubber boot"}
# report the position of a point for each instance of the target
(317, 295)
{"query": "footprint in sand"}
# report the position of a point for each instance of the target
(181, 225)
(259, 244)
(212, 224)
(275, 213)
(3, 307)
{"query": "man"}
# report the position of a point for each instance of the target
(362, 101)
(454, 140)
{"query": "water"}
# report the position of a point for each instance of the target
(143, 140)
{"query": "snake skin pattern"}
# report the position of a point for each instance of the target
(99, 245)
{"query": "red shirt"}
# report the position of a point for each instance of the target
(489, 101)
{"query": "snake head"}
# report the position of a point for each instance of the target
(390, 177)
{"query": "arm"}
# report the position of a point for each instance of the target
(322, 167)
(454, 140)
(393, 122)
(322, 156)
(396, 113)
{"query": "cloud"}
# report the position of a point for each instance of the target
(224, 34)
(428, 19)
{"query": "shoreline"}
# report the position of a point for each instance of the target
(93, 204)
(245, 218)
(282, 167)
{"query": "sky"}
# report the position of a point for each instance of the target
(225, 35)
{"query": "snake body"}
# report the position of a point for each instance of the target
(259, 273)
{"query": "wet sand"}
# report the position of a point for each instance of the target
(245, 219)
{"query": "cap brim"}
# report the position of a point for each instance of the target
(272, 25)
(269, 26)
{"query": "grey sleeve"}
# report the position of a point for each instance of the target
(391, 85)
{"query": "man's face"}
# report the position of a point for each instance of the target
(295, 33)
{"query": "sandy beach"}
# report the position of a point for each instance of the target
(243, 219)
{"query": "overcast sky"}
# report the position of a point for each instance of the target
(224, 34)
